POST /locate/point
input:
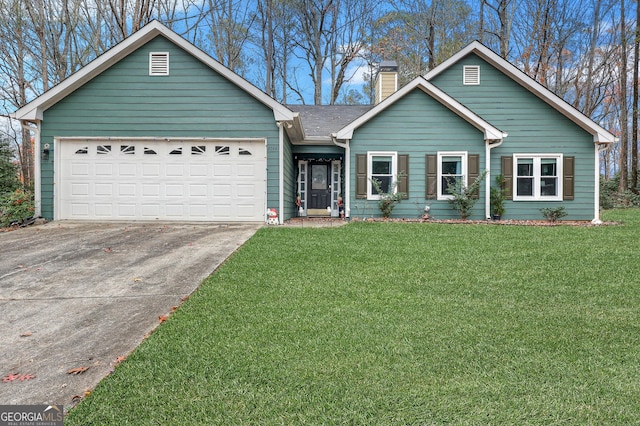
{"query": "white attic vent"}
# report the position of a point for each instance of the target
(471, 75)
(159, 63)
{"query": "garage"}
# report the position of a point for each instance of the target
(160, 179)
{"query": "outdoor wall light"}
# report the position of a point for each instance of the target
(45, 152)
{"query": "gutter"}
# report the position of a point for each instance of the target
(280, 172)
(347, 174)
(487, 158)
(600, 147)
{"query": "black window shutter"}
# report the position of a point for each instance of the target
(361, 176)
(473, 170)
(403, 168)
(431, 176)
(507, 175)
(568, 173)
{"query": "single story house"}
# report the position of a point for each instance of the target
(156, 129)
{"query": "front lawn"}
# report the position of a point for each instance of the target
(393, 323)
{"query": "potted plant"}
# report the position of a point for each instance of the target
(498, 195)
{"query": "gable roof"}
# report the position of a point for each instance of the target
(600, 135)
(34, 110)
(490, 132)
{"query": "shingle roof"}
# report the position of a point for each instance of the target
(323, 120)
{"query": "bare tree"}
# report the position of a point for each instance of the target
(315, 19)
(275, 30)
(228, 25)
(496, 21)
(633, 175)
(624, 154)
(419, 35)
(348, 41)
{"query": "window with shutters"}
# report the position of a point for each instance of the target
(471, 75)
(537, 177)
(452, 168)
(159, 63)
(381, 166)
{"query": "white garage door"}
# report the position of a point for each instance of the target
(161, 180)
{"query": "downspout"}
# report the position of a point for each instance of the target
(596, 193)
(37, 173)
(347, 175)
(487, 158)
(280, 172)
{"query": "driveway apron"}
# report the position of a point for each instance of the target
(78, 297)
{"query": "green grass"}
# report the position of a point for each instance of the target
(391, 323)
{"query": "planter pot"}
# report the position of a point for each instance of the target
(496, 217)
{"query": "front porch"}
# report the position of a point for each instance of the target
(319, 186)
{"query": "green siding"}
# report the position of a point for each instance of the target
(533, 127)
(290, 181)
(193, 101)
(416, 125)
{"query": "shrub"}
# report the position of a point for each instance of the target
(465, 197)
(8, 170)
(16, 207)
(612, 198)
(498, 195)
(388, 200)
(553, 214)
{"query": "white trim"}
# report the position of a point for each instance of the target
(303, 167)
(280, 172)
(394, 171)
(156, 139)
(464, 166)
(488, 178)
(34, 109)
(347, 176)
(490, 132)
(57, 164)
(600, 135)
(596, 194)
(336, 188)
(536, 177)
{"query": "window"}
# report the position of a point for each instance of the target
(176, 151)
(198, 149)
(471, 75)
(452, 168)
(128, 149)
(382, 166)
(159, 63)
(83, 150)
(538, 176)
(103, 149)
(222, 150)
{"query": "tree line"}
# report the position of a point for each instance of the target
(326, 51)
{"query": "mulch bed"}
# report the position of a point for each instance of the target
(327, 221)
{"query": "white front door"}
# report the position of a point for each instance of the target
(193, 180)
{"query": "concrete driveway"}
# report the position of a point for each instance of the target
(78, 295)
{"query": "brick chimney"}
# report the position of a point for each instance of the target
(386, 80)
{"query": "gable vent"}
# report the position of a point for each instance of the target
(471, 75)
(159, 63)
